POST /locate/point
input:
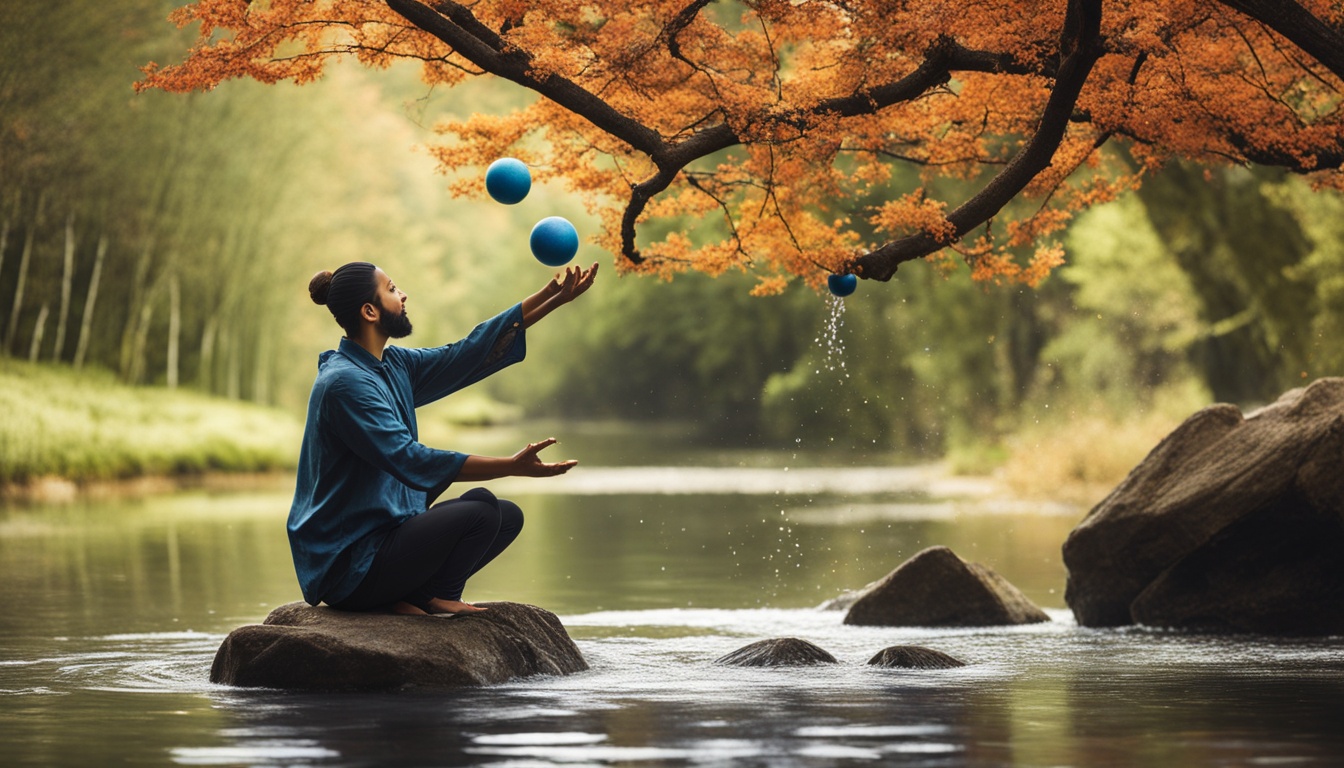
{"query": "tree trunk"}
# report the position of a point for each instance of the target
(17, 309)
(86, 321)
(67, 275)
(128, 334)
(4, 242)
(233, 382)
(36, 346)
(205, 379)
(136, 370)
(4, 231)
(174, 328)
(261, 380)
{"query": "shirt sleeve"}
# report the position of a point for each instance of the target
(368, 424)
(491, 347)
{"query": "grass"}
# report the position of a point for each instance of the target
(1084, 454)
(85, 426)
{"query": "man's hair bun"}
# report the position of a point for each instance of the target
(319, 286)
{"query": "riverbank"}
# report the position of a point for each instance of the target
(69, 434)
(66, 430)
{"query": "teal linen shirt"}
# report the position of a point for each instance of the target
(362, 468)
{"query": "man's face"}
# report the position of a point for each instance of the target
(391, 303)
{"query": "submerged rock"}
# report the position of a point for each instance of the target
(777, 652)
(914, 657)
(1231, 524)
(935, 588)
(307, 648)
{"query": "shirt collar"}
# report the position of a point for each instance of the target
(359, 355)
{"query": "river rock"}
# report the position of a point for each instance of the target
(777, 652)
(1232, 524)
(935, 588)
(914, 657)
(307, 648)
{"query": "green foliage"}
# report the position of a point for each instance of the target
(1244, 253)
(1132, 316)
(1321, 216)
(694, 349)
(89, 427)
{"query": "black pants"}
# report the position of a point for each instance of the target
(434, 553)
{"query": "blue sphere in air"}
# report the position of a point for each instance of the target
(842, 285)
(554, 241)
(507, 180)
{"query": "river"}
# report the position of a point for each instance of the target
(658, 561)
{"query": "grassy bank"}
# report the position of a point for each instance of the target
(1079, 454)
(85, 426)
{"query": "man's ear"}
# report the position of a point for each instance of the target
(369, 312)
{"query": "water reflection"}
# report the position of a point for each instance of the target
(113, 611)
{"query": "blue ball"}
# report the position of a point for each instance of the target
(842, 285)
(508, 180)
(554, 241)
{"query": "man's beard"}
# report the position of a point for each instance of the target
(396, 326)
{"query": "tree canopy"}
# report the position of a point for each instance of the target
(784, 120)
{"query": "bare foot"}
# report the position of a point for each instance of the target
(406, 609)
(439, 605)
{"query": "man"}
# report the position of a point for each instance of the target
(361, 528)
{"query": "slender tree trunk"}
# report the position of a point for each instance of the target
(4, 242)
(86, 321)
(261, 389)
(67, 276)
(206, 380)
(233, 381)
(36, 346)
(128, 334)
(4, 231)
(140, 340)
(174, 328)
(24, 260)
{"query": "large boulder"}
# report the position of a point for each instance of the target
(935, 588)
(307, 648)
(1232, 523)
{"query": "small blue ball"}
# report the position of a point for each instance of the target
(554, 241)
(508, 180)
(842, 285)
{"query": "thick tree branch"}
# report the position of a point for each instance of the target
(455, 25)
(1080, 42)
(940, 61)
(1301, 27)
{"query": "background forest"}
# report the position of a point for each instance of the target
(166, 240)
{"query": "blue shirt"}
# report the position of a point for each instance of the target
(362, 468)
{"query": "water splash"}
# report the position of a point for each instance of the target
(832, 345)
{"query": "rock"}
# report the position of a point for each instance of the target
(1231, 524)
(777, 652)
(844, 600)
(307, 648)
(935, 588)
(914, 657)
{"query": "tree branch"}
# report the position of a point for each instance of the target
(1300, 26)
(455, 25)
(1080, 42)
(940, 61)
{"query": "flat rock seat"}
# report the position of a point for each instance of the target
(303, 647)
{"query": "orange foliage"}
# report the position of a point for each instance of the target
(774, 118)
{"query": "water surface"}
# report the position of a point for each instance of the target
(113, 609)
